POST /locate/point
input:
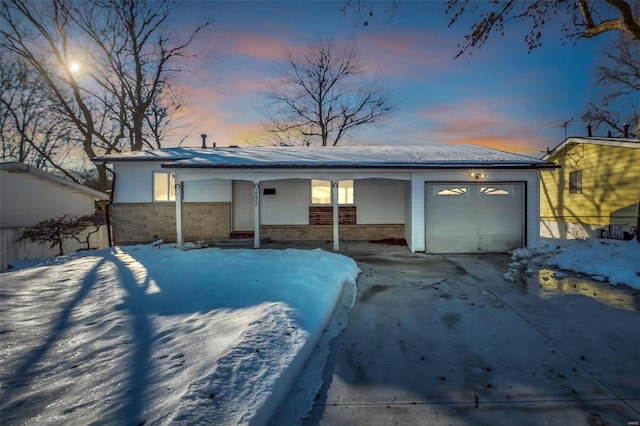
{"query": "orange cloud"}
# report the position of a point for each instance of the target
(480, 122)
(257, 45)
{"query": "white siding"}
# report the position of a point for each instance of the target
(379, 201)
(27, 199)
(290, 204)
(210, 190)
(134, 184)
(407, 213)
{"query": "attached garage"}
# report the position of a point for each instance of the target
(464, 217)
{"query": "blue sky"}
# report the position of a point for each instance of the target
(499, 96)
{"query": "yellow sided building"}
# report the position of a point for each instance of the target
(595, 192)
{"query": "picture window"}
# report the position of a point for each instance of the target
(321, 192)
(164, 186)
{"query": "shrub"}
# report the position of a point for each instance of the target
(56, 231)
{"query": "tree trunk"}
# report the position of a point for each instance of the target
(60, 240)
(138, 124)
(103, 178)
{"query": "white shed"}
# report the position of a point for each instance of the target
(29, 196)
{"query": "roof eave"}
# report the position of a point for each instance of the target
(356, 166)
(574, 140)
(25, 168)
(107, 160)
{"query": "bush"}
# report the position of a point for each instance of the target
(55, 231)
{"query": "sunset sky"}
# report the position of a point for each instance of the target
(499, 96)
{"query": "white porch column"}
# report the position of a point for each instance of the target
(336, 215)
(256, 214)
(418, 230)
(179, 238)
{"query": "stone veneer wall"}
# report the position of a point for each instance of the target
(138, 223)
(325, 232)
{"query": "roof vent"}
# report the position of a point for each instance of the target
(625, 130)
(589, 132)
(204, 140)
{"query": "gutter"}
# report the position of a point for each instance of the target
(108, 207)
(361, 166)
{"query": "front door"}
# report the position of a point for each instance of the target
(242, 206)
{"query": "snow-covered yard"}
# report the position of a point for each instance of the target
(141, 335)
(612, 261)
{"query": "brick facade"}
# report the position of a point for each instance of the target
(136, 223)
(325, 232)
(323, 215)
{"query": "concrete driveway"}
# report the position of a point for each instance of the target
(446, 340)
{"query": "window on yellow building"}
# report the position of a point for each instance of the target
(575, 182)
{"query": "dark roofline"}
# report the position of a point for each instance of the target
(106, 160)
(363, 166)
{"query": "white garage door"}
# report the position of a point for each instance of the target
(474, 218)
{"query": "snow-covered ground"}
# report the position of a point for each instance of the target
(141, 335)
(612, 261)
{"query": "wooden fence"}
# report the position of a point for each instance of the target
(11, 249)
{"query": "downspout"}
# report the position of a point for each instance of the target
(108, 207)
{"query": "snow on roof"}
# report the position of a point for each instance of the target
(18, 167)
(328, 157)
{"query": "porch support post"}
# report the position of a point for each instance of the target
(336, 215)
(179, 238)
(256, 214)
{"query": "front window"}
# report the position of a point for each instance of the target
(321, 192)
(164, 186)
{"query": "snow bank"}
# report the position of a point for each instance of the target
(617, 262)
(163, 335)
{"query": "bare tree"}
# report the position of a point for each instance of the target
(580, 18)
(319, 98)
(618, 76)
(29, 131)
(116, 100)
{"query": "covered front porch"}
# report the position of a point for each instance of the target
(304, 205)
